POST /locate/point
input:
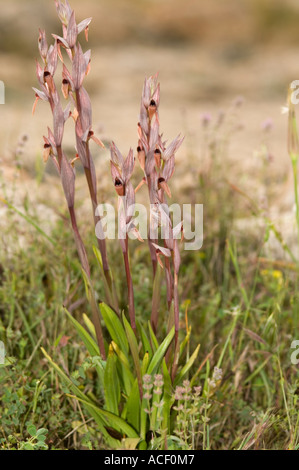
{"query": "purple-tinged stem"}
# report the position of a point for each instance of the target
(130, 287)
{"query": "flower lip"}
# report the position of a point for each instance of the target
(118, 182)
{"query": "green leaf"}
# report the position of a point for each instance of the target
(145, 363)
(130, 444)
(115, 328)
(167, 397)
(109, 291)
(126, 374)
(134, 350)
(154, 341)
(28, 446)
(133, 407)
(185, 342)
(100, 417)
(160, 353)
(142, 445)
(89, 326)
(114, 420)
(144, 340)
(111, 383)
(186, 367)
(156, 296)
(32, 430)
(42, 432)
(89, 342)
(90, 294)
(90, 345)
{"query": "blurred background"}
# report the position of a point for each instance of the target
(206, 52)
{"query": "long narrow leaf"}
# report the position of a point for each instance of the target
(99, 419)
(127, 376)
(89, 342)
(111, 383)
(187, 366)
(134, 351)
(114, 420)
(133, 407)
(115, 328)
(145, 341)
(154, 340)
(160, 353)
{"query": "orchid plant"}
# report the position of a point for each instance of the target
(128, 353)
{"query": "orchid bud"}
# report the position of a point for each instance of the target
(79, 67)
(58, 120)
(52, 59)
(42, 44)
(72, 31)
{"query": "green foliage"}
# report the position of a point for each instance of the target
(124, 393)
